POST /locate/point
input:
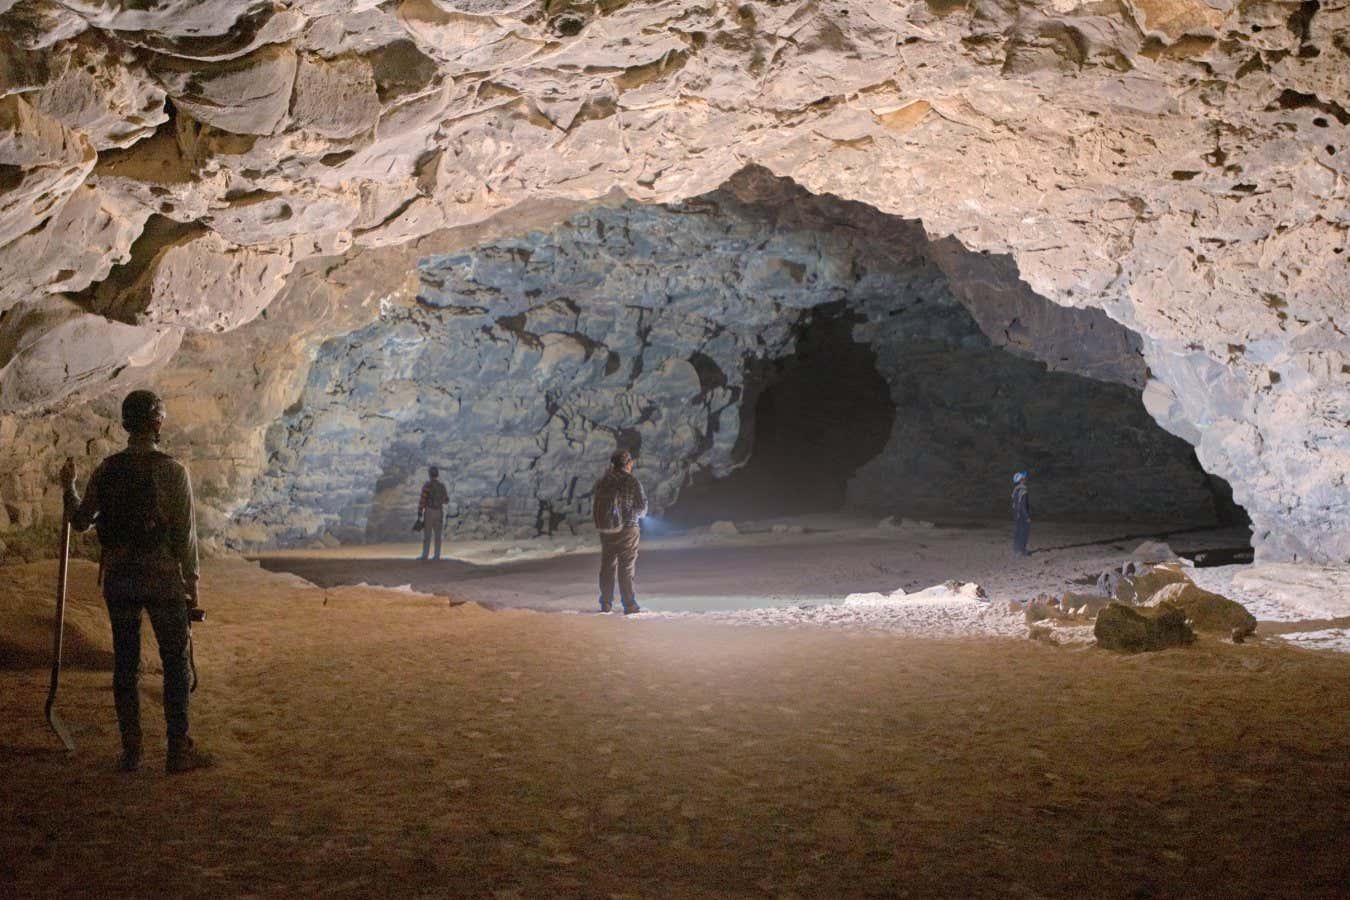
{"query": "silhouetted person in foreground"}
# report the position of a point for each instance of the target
(431, 511)
(1021, 510)
(619, 506)
(140, 500)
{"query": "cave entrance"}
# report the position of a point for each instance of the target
(809, 421)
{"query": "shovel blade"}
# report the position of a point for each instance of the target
(59, 726)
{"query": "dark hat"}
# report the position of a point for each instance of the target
(141, 410)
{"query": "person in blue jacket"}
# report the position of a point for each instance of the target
(1021, 510)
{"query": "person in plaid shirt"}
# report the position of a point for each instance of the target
(431, 511)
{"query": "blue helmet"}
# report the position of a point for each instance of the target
(1019, 477)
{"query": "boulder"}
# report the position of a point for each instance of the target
(1060, 633)
(723, 527)
(1082, 605)
(1207, 611)
(1137, 589)
(1153, 552)
(1132, 630)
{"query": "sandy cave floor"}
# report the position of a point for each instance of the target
(376, 742)
(830, 556)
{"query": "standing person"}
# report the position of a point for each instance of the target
(140, 500)
(431, 511)
(1021, 510)
(619, 505)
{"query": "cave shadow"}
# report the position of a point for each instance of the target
(1136, 536)
(384, 572)
(809, 421)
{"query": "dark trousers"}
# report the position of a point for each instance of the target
(1021, 534)
(169, 619)
(618, 556)
(433, 519)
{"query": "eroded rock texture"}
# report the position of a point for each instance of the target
(1178, 165)
(528, 361)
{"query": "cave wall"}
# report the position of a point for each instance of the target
(526, 362)
(967, 418)
(168, 171)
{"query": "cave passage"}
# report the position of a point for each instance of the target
(769, 353)
(814, 418)
(926, 429)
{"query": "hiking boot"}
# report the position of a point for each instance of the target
(606, 607)
(629, 610)
(130, 760)
(184, 756)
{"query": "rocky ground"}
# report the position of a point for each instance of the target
(376, 741)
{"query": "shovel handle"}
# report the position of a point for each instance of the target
(63, 569)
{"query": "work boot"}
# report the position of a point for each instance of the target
(184, 756)
(130, 760)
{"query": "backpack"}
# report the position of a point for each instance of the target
(128, 515)
(439, 495)
(605, 508)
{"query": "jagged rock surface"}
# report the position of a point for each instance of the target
(1179, 165)
(528, 361)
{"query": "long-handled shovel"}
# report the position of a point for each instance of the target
(53, 719)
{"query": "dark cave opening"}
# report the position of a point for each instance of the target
(929, 430)
(811, 420)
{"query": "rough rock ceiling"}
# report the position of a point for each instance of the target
(166, 168)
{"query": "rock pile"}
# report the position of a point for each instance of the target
(1147, 608)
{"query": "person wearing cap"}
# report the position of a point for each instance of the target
(140, 501)
(1021, 510)
(618, 506)
(431, 511)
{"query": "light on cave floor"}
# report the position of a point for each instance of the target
(725, 602)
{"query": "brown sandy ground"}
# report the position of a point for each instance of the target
(380, 744)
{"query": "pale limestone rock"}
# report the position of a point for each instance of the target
(107, 96)
(76, 247)
(359, 31)
(160, 178)
(204, 283)
(249, 95)
(336, 98)
(42, 161)
(191, 278)
(38, 24)
(40, 339)
(262, 217)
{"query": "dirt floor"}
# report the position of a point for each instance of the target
(823, 557)
(381, 743)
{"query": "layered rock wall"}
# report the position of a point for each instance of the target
(1180, 165)
(528, 361)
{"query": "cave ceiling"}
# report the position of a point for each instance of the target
(171, 172)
